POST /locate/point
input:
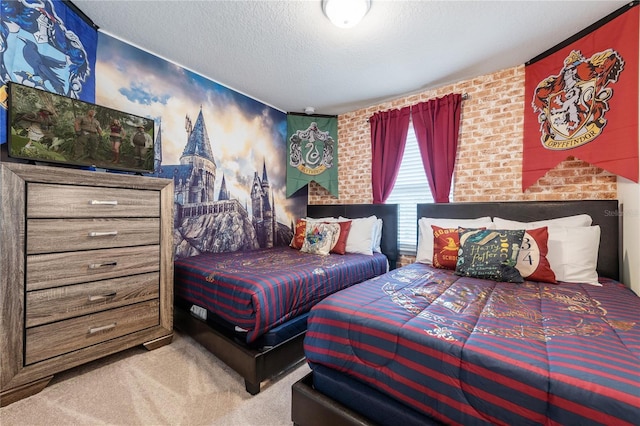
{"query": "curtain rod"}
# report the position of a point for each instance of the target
(465, 96)
(311, 115)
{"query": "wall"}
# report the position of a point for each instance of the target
(207, 132)
(489, 161)
(629, 196)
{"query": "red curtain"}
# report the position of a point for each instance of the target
(436, 123)
(388, 138)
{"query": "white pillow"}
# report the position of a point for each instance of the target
(377, 239)
(573, 253)
(361, 235)
(568, 221)
(425, 233)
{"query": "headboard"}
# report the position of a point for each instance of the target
(603, 212)
(387, 212)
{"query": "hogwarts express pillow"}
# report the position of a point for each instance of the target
(573, 246)
(532, 258)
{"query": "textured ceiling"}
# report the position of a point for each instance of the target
(286, 53)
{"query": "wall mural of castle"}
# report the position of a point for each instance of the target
(205, 222)
(228, 163)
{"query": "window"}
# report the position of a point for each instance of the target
(411, 187)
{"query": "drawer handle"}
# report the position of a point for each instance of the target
(102, 296)
(103, 234)
(103, 202)
(101, 265)
(94, 330)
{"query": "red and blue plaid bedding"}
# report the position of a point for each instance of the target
(260, 289)
(469, 351)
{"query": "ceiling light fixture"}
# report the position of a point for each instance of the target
(345, 13)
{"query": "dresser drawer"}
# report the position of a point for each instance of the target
(59, 235)
(65, 201)
(86, 270)
(61, 337)
(58, 269)
(55, 304)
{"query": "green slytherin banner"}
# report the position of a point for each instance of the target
(312, 152)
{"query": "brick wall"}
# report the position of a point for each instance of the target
(489, 160)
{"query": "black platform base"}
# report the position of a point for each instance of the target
(312, 408)
(253, 365)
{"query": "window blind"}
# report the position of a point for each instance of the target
(411, 187)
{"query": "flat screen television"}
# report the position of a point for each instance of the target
(47, 127)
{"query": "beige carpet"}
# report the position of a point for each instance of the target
(177, 384)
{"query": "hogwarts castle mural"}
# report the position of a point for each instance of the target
(204, 222)
(228, 164)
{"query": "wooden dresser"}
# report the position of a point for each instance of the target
(86, 270)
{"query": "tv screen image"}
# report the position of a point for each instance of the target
(48, 127)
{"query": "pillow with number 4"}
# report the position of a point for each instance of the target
(532, 257)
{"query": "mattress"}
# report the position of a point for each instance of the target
(468, 351)
(258, 290)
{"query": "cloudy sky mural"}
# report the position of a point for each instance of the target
(243, 132)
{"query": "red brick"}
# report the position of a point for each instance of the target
(490, 147)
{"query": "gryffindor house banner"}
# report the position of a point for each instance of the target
(312, 152)
(582, 100)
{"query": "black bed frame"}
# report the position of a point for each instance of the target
(257, 365)
(387, 212)
(312, 408)
(603, 212)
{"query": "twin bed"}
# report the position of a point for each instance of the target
(422, 345)
(250, 308)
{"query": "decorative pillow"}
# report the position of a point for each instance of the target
(340, 246)
(320, 237)
(532, 258)
(425, 233)
(490, 254)
(568, 221)
(573, 254)
(446, 243)
(360, 239)
(299, 234)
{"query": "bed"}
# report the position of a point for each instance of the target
(250, 308)
(421, 345)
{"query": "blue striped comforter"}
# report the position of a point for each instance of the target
(470, 351)
(260, 289)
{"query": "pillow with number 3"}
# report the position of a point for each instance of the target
(532, 258)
